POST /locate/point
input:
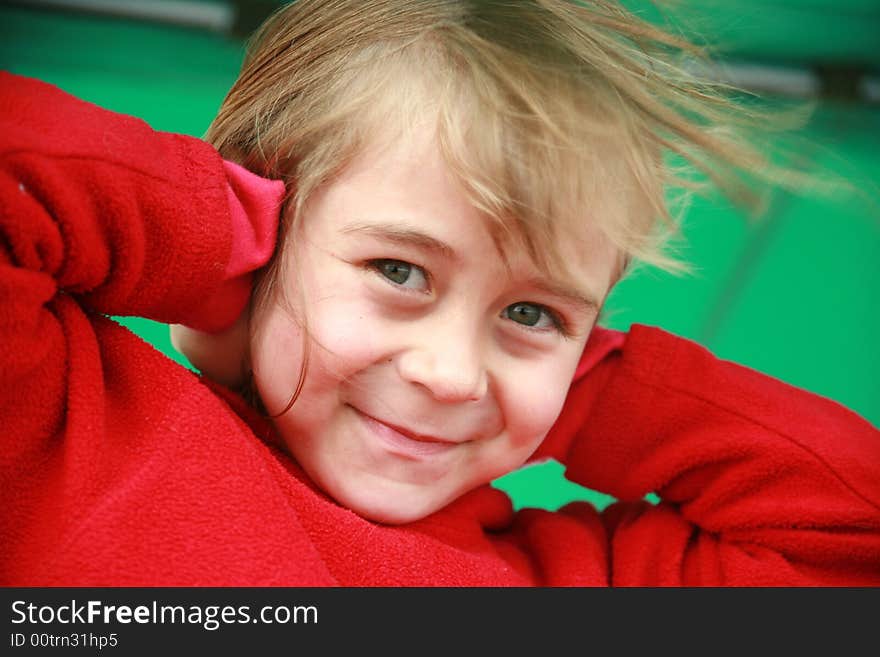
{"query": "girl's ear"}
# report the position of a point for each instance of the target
(222, 356)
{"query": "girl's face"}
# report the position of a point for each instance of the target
(435, 364)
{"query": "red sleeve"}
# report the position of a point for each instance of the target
(760, 483)
(254, 205)
(127, 220)
(100, 214)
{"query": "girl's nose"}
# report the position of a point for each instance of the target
(450, 368)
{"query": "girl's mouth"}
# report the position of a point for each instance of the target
(402, 441)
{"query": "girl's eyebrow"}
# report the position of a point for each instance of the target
(404, 236)
(570, 295)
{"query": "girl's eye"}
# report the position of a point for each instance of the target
(531, 315)
(402, 273)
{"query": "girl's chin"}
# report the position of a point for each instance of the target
(388, 507)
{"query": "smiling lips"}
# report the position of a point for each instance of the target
(404, 442)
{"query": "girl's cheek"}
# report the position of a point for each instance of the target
(277, 356)
(350, 332)
(533, 401)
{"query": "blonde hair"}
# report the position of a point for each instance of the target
(552, 113)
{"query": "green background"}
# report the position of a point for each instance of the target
(794, 295)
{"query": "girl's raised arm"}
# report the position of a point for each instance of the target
(760, 483)
(101, 214)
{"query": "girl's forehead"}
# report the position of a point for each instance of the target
(402, 187)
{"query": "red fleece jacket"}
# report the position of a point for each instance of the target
(119, 467)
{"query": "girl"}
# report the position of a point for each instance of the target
(396, 254)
